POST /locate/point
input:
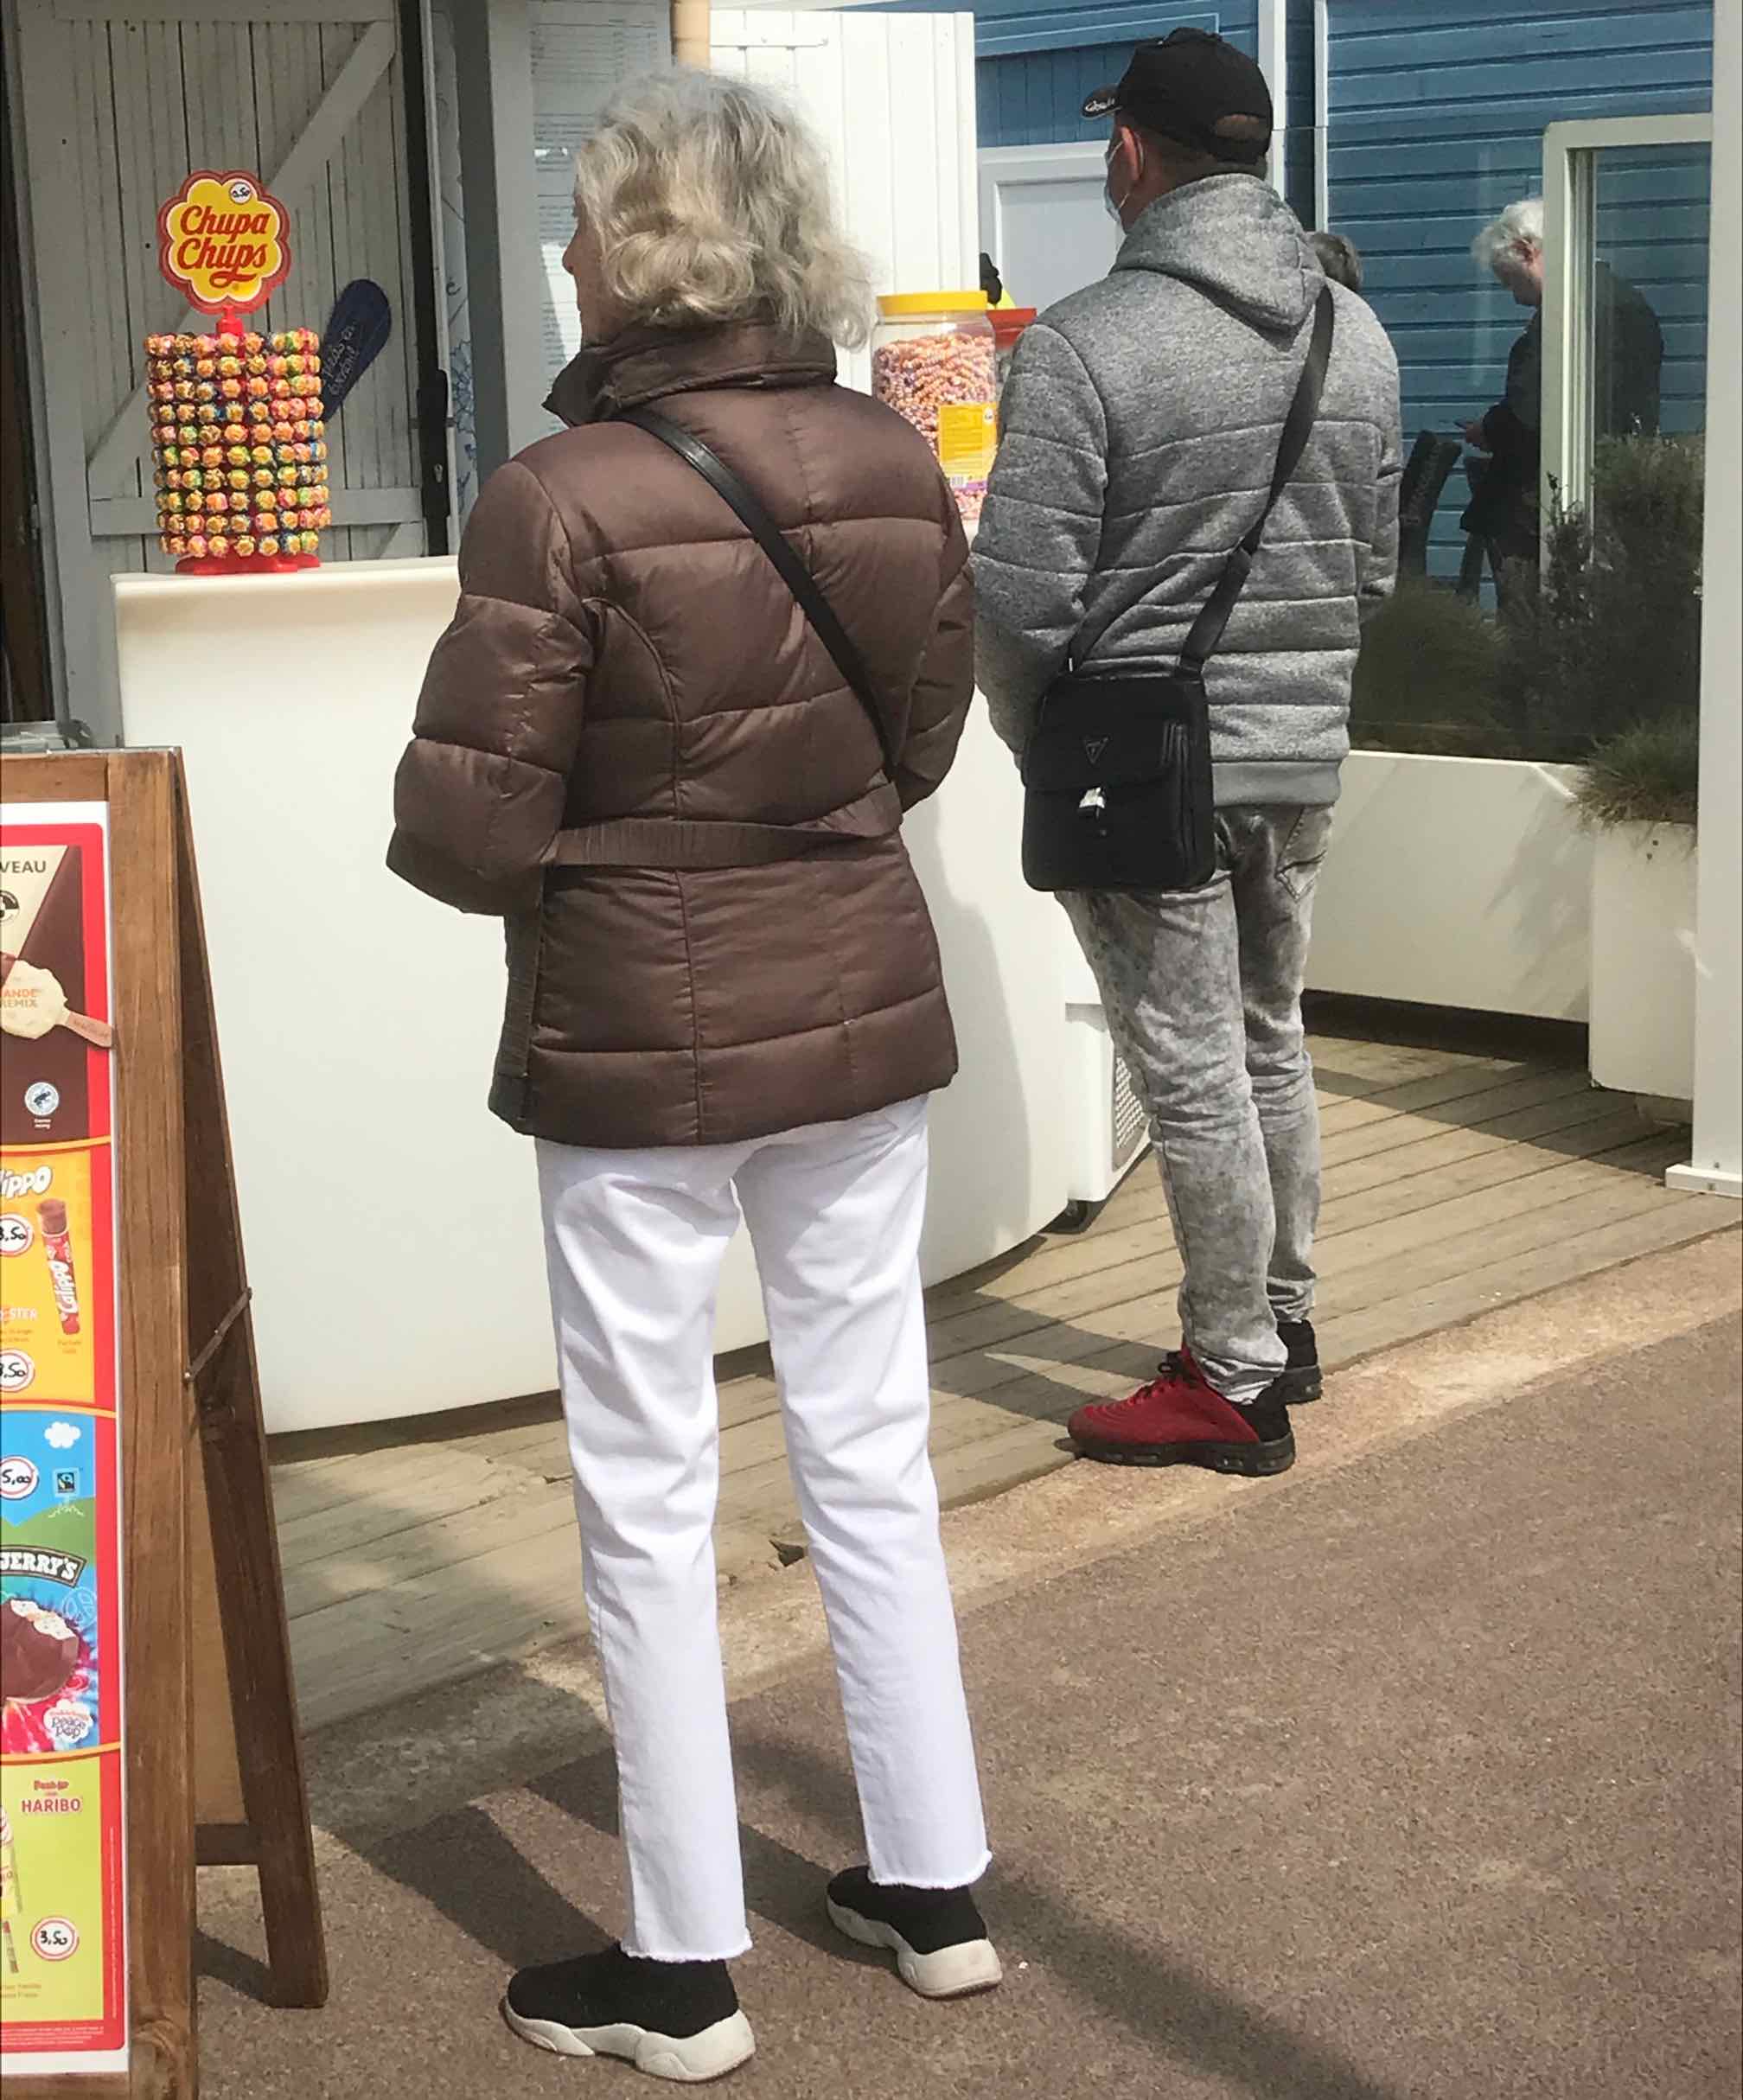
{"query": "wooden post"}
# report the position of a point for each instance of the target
(691, 43)
(249, 1606)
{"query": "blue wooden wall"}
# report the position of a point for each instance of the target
(1436, 117)
(1652, 227)
(1038, 59)
(1437, 114)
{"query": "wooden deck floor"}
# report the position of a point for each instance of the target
(1455, 1182)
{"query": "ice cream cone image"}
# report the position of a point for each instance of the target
(10, 1896)
(32, 1002)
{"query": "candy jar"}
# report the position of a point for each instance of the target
(934, 359)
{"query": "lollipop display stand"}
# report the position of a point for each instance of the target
(238, 430)
(240, 449)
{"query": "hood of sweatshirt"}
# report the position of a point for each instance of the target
(1233, 237)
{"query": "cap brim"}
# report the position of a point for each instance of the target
(1102, 103)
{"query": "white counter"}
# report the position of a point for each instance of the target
(392, 1222)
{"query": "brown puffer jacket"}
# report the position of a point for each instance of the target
(631, 745)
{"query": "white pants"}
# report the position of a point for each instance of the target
(635, 1240)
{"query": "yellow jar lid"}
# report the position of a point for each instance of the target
(895, 304)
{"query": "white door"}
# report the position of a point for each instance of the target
(1043, 218)
(893, 96)
(119, 100)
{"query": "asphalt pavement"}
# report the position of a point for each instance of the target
(1413, 1777)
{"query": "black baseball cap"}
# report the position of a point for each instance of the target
(1184, 86)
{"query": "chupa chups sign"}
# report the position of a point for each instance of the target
(225, 242)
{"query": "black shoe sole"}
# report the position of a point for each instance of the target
(1256, 1461)
(1302, 1385)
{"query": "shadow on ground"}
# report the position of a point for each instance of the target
(467, 1869)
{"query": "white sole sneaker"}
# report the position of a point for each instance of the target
(953, 1972)
(690, 2060)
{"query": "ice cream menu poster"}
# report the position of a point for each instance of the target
(63, 1965)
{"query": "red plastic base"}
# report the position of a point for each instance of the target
(244, 564)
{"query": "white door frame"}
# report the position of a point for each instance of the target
(1070, 162)
(1570, 211)
(1322, 113)
(1716, 1155)
(1570, 152)
(1274, 63)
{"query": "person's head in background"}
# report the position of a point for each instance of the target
(1190, 105)
(1339, 258)
(702, 202)
(1512, 247)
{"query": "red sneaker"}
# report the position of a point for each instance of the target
(1180, 1420)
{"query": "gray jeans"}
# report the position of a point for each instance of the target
(1201, 989)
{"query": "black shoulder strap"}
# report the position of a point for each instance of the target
(1207, 629)
(793, 573)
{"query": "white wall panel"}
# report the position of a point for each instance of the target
(902, 147)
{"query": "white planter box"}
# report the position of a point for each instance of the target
(1457, 882)
(1643, 960)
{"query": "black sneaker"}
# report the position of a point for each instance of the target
(1302, 1380)
(676, 2020)
(937, 1934)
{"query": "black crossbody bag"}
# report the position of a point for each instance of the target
(735, 493)
(1117, 773)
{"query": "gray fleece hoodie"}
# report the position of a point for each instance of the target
(1141, 422)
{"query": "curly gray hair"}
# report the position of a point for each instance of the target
(710, 201)
(1519, 227)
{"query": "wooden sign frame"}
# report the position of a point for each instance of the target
(214, 1773)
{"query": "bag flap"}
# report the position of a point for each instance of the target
(1105, 732)
(1084, 756)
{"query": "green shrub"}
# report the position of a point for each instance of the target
(1646, 774)
(1612, 637)
(1610, 641)
(1426, 678)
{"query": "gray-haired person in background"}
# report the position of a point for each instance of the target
(1142, 422)
(1339, 258)
(1627, 361)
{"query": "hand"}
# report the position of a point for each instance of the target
(1476, 436)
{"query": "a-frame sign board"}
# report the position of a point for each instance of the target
(149, 1714)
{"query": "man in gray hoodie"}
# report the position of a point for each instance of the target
(1141, 422)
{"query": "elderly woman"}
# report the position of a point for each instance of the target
(724, 999)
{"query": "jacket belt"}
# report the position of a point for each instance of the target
(689, 844)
